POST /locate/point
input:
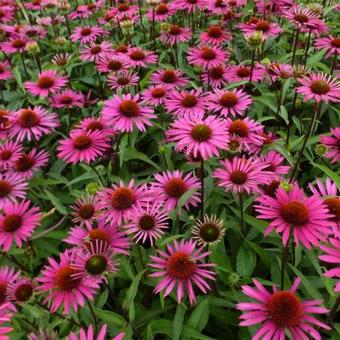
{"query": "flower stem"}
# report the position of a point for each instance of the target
(202, 187)
(295, 45)
(242, 212)
(334, 310)
(307, 48)
(335, 59)
(252, 66)
(23, 64)
(284, 258)
(94, 317)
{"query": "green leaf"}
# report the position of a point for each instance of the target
(335, 177)
(184, 198)
(178, 322)
(56, 202)
(200, 316)
(135, 154)
(109, 317)
(284, 114)
(245, 261)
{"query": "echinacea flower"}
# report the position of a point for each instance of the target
(224, 102)
(189, 5)
(242, 175)
(199, 137)
(126, 111)
(86, 210)
(7, 276)
(112, 63)
(307, 219)
(319, 87)
(302, 18)
(142, 58)
(5, 317)
(215, 35)
(208, 231)
(118, 201)
(12, 187)
(216, 77)
(181, 267)
(104, 232)
(268, 29)
(16, 44)
(169, 78)
(161, 13)
(207, 56)
(89, 124)
(274, 163)
(87, 34)
(90, 335)
(9, 153)
(122, 80)
(330, 44)
(155, 95)
(148, 223)
(95, 52)
(236, 73)
(61, 287)
(48, 82)
(280, 311)
(5, 70)
(32, 123)
(175, 34)
(20, 290)
(67, 99)
(333, 144)
(171, 186)
(17, 223)
(83, 146)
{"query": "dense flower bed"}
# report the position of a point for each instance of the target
(169, 169)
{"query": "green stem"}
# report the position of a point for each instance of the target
(284, 258)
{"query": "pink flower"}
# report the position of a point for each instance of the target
(148, 223)
(224, 102)
(48, 82)
(280, 311)
(331, 44)
(242, 175)
(333, 144)
(17, 223)
(319, 87)
(62, 288)
(20, 290)
(274, 163)
(9, 153)
(7, 276)
(86, 211)
(302, 18)
(126, 111)
(87, 34)
(139, 57)
(268, 29)
(119, 200)
(156, 95)
(5, 317)
(89, 124)
(175, 35)
(238, 73)
(112, 63)
(181, 267)
(95, 52)
(122, 80)
(89, 334)
(216, 77)
(162, 12)
(171, 186)
(67, 99)
(12, 187)
(308, 217)
(199, 137)
(189, 5)
(332, 255)
(83, 146)
(5, 70)
(169, 78)
(16, 44)
(215, 35)
(206, 56)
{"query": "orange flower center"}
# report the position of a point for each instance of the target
(123, 198)
(45, 82)
(271, 188)
(86, 211)
(5, 155)
(216, 72)
(95, 49)
(169, 76)
(99, 234)
(162, 9)
(114, 65)
(295, 212)
(238, 177)
(320, 87)
(209, 232)
(336, 42)
(66, 100)
(18, 43)
(28, 118)
(175, 30)
(5, 188)
(201, 132)
(96, 264)
(64, 280)
(146, 222)
(189, 100)
(208, 53)
(228, 99)
(86, 31)
(12, 223)
(137, 55)
(301, 18)
(23, 292)
(180, 266)
(333, 205)
(24, 163)
(239, 128)
(82, 142)
(263, 26)
(95, 125)
(158, 92)
(176, 187)
(129, 108)
(215, 32)
(243, 72)
(123, 81)
(3, 295)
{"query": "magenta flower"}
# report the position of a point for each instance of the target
(162, 12)
(7, 276)
(226, 103)
(126, 111)
(48, 82)
(181, 267)
(20, 290)
(83, 146)
(142, 58)
(279, 311)
(199, 137)
(169, 78)
(175, 35)
(302, 18)
(216, 77)
(330, 44)
(67, 99)
(242, 175)
(17, 223)
(206, 56)
(62, 288)
(16, 44)
(148, 223)
(236, 73)
(333, 144)
(308, 217)
(189, 5)
(86, 211)
(94, 52)
(112, 63)
(89, 334)
(268, 29)
(5, 317)
(122, 80)
(5, 70)
(319, 87)
(274, 163)
(89, 124)
(12, 187)
(87, 34)
(9, 153)
(215, 35)
(171, 186)
(331, 255)
(156, 95)
(103, 232)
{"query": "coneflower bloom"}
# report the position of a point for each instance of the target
(5, 70)
(274, 163)
(48, 82)
(95, 124)
(20, 290)
(333, 144)
(89, 334)
(16, 44)
(118, 201)
(122, 80)
(112, 63)
(182, 267)
(330, 44)
(268, 29)
(5, 317)
(126, 111)
(248, 130)
(103, 232)
(279, 71)
(308, 218)
(87, 34)
(33, 123)
(139, 57)
(319, 87)
(35, 32)
(226, 103)
(218, 7)
(329, 193)
(215, 35)
(86, 211)
(279, 311)
(186, 103)
(175, 34)
(199, 137)
(162, 12)
(9, 153)
(170, 78)
(63, 289)
(189, 5)
(83, 146)
(94, 260)
(302, 18)
(17, 223)
(216, 77)
(28, 163)
(238, 73)
(206, 56)
(124, 10)
(12, 187)
(331, 255)
(95, 52)
(156, 95)
(67, 99)
(7, 275)
(208, 231)
(6, 121)
(171, 186)
(242, 175)
(148, 223)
